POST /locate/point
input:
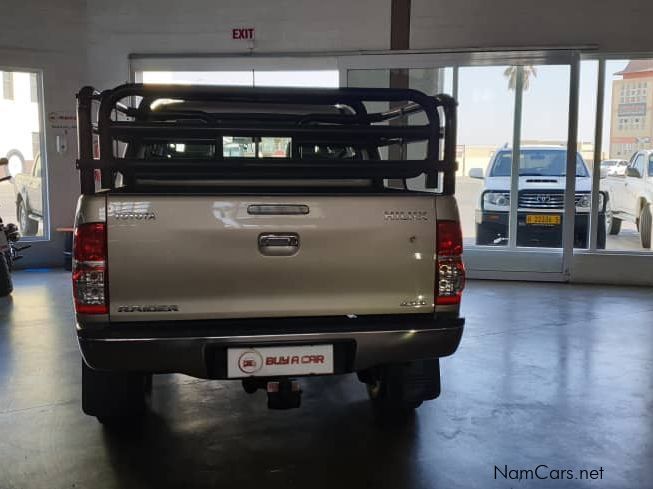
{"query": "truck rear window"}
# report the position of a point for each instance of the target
(247, 147)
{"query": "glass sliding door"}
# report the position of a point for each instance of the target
(485, 134)
(513, 130)
(543, 158)
(627, 145)
(617, 89)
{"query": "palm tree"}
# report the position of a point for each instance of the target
(511, 74)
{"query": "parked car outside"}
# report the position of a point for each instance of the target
(614, 167)
(542, 171)
(631, 197)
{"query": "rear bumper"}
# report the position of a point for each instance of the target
(199, 348)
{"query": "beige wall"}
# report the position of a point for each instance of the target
(616, 25)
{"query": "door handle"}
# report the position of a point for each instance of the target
(278, 244)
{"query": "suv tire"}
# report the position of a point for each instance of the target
(6, 284)
(612, 223)
(485, 236)
(113, 397)
(398, 389)
(645, 221)
(28, 226)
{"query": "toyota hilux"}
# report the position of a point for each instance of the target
(265, 236)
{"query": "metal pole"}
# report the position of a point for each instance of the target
(598, 144)
(569, 216)
(516, 150)
(85, 138)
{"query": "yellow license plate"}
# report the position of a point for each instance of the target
(543, 219)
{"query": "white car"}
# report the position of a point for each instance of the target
(542, 172)
(631, 197)
(614, 167)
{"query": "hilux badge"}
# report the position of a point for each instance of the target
(406, 216)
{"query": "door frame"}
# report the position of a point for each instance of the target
(510, 262)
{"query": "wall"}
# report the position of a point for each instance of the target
(122, 27)
(614, 25)
(49, 36)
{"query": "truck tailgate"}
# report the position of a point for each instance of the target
(201, 257)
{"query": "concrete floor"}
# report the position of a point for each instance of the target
(546, 374)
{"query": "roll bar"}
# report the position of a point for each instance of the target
(344, 120)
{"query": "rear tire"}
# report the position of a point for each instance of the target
(612, 224)
(115, 398)
(645, 221)
(28, 226)
(6, 284)
(485, 236)
(398, 389)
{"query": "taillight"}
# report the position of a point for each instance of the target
(449, 268)
(90, 269)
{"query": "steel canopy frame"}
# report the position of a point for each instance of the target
(347, 128)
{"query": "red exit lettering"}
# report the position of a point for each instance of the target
(246, 33)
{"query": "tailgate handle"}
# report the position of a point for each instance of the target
(278, 244)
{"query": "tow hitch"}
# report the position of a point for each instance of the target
(282, 393)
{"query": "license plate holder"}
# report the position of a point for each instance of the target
(543, 220)
(279, 361)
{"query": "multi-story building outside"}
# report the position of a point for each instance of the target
(631, 122)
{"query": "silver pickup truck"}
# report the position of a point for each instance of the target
(265, 235)
(631, 197)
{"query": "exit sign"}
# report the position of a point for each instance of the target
(245, 33)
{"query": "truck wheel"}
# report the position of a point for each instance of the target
(115, 398)
(398, 389)
(28, 226)
(602, 234)
(484, 236)
(645, 221)
(612, 224)
(6, 284)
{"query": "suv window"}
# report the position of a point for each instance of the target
(536, 162)
(638, 164)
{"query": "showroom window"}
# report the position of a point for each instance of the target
(626, 124)
(21, 141)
